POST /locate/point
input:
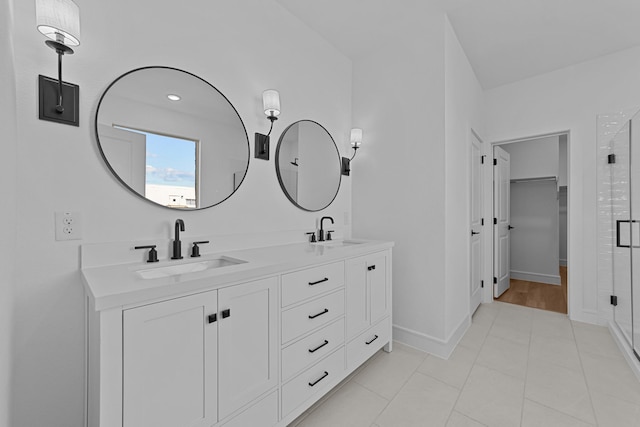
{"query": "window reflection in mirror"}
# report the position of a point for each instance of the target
(171, 169)
(155, 104)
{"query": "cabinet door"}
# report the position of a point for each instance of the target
(170, 363)
(247, 343)
(357, 311)
(378, 287)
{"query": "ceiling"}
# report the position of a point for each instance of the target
(505, 40)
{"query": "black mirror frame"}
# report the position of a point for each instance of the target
(113, 172)
(277, 164)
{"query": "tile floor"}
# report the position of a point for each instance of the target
(516, 366)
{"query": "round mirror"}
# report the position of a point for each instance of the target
(308, 165)
(172, 138)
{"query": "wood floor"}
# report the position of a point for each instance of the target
(538, 295)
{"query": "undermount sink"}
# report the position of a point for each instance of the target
(336, 243)
(192, 267)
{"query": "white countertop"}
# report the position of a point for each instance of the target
(120, 285)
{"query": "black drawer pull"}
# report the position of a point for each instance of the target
(319, 347)
(326, 310)
(212, 318)
(226, 313)
(319, 379)
(374, 338)
(371, 267)
(326, 279)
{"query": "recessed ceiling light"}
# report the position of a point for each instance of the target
(173, 97)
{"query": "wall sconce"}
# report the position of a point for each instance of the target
(271, 106)
(59, 21)
(356, 141)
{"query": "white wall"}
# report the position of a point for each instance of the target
(534, 245)
(562, 227)
(464, 104)
(562, 161)
(9, 209)
(570, 99)
(410, 181)
(398, 174)
(60, 166)
(534, 158)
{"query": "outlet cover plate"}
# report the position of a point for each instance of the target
(68, 225)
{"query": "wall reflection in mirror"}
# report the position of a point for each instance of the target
(172, 138)
(308, 165)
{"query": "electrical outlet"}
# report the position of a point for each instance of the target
(68, 225)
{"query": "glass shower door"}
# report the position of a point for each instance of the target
(620, 180)
(634, 169)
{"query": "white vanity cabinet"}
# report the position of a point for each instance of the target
(170, 363)
(368, 306)
(253, 345)
(195, 360)
(368, 292)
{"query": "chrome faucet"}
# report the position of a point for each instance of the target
(177, 244)
(321, 231)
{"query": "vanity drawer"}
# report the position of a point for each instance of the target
(306, 317)
(314, 380)
(309, 350)
(366, 344)
(300, 285)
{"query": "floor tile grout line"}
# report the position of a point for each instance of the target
(526, 376)
(584, 376)
(471, 369)
(560, 412)
(396, 393)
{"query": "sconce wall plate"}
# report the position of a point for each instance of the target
(48, 94)
(346, 166)
(261, 148)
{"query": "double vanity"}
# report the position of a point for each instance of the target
(241, 338)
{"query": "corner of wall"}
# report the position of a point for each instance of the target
(8, 213)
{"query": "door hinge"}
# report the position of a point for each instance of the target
(482, 221)
(611, 158)
(495, 162)
(614, 300)
(482, 159)
(495, 220)
(495, 280)
(482, 283)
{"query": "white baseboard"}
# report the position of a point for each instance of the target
(587, 316)
(427, 343)
(536, 277)
(627, 351)
(563, 263)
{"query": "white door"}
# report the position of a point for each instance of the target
(170, 363)
(501, 193)
(247, 343)
(477, 238)
(127, 155)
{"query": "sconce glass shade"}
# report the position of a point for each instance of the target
(59, 20)
(356, 137)
(271, 102)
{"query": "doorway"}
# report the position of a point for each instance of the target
(530, 222)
